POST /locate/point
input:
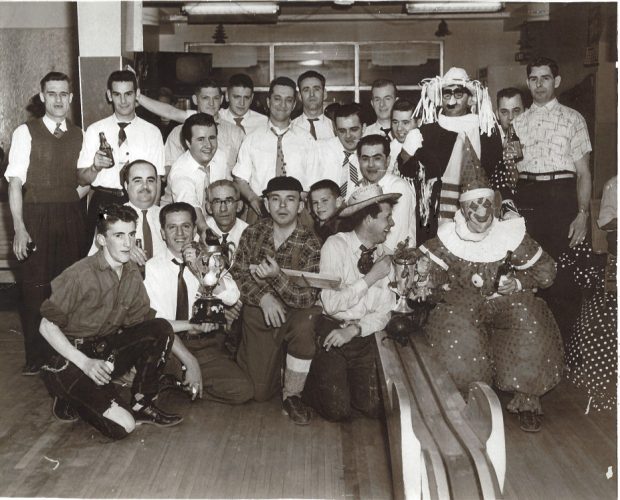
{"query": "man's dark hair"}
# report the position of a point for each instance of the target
(55, 76)
(403, 105)
(544, 61)
(282, 80)
(346, 110)
(241, 80)
(122, 76)
(383, 82)
(310, 74)
(325, 184)
(179, 206)
(373, 210)
(110, 214)
(196, 119)
(124, 173)
(508, 93)
(374, 140)
(207, 83)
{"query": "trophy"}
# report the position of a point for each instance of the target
(404, 269)
(209, 265)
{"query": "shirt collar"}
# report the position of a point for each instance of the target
(195, 164)
(280, 131)
(51, 124)
(117, 121)
(138, 210)
(546, 107)
(214, 227)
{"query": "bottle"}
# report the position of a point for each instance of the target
(105, 147)
(110, 360)
(513, 144)
(504, 269)
(142, 268)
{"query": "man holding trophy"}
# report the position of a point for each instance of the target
(173, 281)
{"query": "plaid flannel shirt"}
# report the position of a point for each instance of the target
(256, 243)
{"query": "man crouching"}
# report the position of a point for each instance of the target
(99, 321)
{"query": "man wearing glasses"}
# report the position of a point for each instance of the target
(435, 178)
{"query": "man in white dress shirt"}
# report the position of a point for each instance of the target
(383, 97)
(374, 157)
(311, 85)
(276, 149)
(402, 122)
(197, 167)
(172, 289)
(208, 99)
(130, 137)
(343, 373)
(337, 155)
(239, 94)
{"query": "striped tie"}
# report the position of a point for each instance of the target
(351, 174)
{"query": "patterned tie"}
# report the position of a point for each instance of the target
(122, 136)
(238, 122)
(366, 260)
(351, 172)
(386, 131)
(58, 132)
(312, 129)
(148, 236)
(280, 163)
(182, 305)
(224, 244)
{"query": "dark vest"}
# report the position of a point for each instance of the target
(52, 172)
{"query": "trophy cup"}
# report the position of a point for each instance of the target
(207, 263)
(404, 269)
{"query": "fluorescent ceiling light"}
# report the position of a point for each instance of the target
(448, 7)
(230, 8)
(311, 62)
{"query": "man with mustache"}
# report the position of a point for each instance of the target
(488, 325)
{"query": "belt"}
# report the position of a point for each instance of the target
(95, 346)
(114, 192)
(525, 176)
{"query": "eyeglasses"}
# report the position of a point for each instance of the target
(457, 93)
(216, 202)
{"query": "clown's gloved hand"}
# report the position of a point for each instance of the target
(508, 210)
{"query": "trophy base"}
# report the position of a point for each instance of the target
(208, 310)
(401, 306)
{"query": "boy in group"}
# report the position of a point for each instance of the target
(240, 94)
(172, 288)
(325, 202)
(277, 310)
(129, 136)
(99, 321)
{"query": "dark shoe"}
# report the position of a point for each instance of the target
(529, 421)
(296, 410)
(63, 411)
(31, 369)
(152, 415)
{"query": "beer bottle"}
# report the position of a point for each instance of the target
(142, 268)
(513, 144)
(105, 147)
(110, 360)
(504, 269)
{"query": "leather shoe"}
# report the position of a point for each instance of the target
(31, 369)
(63, 411)
(296, 410)
(152, 415)
(529, 421)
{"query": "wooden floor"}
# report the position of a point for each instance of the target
(253, 451)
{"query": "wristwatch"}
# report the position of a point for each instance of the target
(584, 211)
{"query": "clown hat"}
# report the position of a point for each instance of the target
(474, 180)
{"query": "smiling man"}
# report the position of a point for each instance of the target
(240, 94)
(311, 85)
(129, 136)
(276, 309)
(99, 322)
(45, 206)
(382, 99)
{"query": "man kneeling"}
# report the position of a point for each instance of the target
(99, 321)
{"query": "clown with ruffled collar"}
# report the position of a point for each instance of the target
(488, 325)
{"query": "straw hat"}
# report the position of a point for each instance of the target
(365, 196)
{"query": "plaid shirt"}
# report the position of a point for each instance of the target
(553, 136)
(301, 251)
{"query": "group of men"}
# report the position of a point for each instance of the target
(334, 196)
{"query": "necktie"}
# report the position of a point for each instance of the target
(280, 163)
(351, 172)
(366, 260)
(224, 244)
(386, 131)
(148, 236)
(238, 122)
(58, 132)
(312, 129)
(182, 305)
(122, 135)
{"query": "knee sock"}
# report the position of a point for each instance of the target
(295, 376)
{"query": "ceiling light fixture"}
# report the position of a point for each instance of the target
(453, 7)
(230, 8)
(442, 29)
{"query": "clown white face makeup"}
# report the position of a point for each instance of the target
(478, 214)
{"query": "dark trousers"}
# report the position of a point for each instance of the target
(344, 377)
(145, 346)
(99, 199)
(549, 207)
(57, 230)
(261, 352)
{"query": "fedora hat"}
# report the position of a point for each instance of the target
(365, 196)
